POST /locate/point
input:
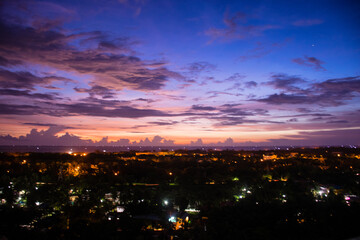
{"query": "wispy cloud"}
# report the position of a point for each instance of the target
(261, 50)
(310, 62)
(251, 84)
(286, 82)
(340, 85)
(27, 94)
(237, 27)
(332, 92)
(202, 108)
(26, 80)
(164, 123)
(96, 90)
(107, 60)
(197, 67)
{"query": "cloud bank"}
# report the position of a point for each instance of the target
(50, 137)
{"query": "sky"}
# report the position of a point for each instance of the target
(142, 72)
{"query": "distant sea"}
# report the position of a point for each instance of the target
(88, 149)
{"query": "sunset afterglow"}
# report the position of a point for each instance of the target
(147, 72)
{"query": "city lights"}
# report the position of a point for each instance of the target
(134, 196)
(172, 219)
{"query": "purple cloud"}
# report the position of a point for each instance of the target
(26, 93)
(282, 98)
(109, 61)
(202, 108)
(251, 84)
(106, 109)
(261, 50)
(340, 85)
(44, 137)
(145, 100)
(332, 92)
(197, 67)
(96, 90)
(41, 124)
(90, 109)
(286, 82)
(26, 80)
(7, 63)
(236, 77)
(23, 109)
(198, 142)
(51, 137)
(156, 141)
(310, 62)
(217, 93)
(322, 138)
(237, 28)
(225, 121)
(230, 111)
(163, 123)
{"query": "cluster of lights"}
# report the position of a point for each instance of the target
(348, 198)
(244, 192)
(120, 209)
(21, 200)
(322, 192)
(172, 219)
(192, 210)
(76, 154)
